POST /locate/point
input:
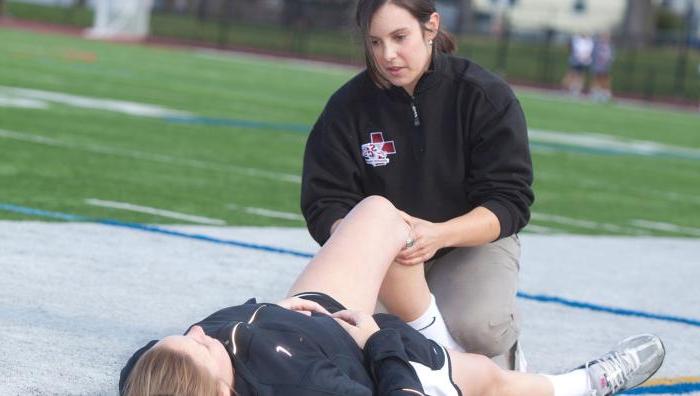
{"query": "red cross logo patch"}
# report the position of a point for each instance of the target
(376, 152)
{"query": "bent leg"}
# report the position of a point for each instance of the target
(351, 265)
(405, 292)
(477, 375)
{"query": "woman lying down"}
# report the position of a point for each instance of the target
(323, 341)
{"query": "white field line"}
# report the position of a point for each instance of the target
(538, 229)
(33, 98)
(154, 211)
(678, 196)
(267, 212)
(607, 142)
(160, 158)
(8, 101)
(592, 225)
(659, 226)
(294, 64)
(119, 106)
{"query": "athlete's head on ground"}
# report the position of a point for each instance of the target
(400, 38)
(190, 364)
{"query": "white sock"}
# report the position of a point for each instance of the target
(574, 383)
(432, 325)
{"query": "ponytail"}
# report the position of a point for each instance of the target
(444, 42)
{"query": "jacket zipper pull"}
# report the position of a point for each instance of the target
(416, 120)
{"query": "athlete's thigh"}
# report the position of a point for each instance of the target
(351, 265)
(475, 375)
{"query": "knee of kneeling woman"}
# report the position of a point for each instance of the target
(488, 337)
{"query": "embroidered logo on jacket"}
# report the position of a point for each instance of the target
(376, 152)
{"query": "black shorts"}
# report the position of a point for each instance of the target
(579, 68)
(329, 303)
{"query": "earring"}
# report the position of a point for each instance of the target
(430, 43)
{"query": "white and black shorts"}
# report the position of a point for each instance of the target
(429, 359)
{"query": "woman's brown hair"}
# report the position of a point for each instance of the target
(163, 371)
(420, 9)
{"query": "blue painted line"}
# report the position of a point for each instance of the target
(205, 238)
(612, 310)
(675, 389)
(149, 228)
(41, 213)
(273, 249)
(237, 123)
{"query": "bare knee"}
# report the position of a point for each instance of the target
(377, 203)
(379, 213)
(380, 206)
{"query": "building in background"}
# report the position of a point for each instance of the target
(683, 16)
(563, 16)
(639, 20)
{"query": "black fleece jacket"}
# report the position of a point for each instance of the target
(458, 143)
(277, 352)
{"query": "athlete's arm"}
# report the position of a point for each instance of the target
(389, 366)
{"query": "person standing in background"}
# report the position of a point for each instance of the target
(603, 56)
(580, 59)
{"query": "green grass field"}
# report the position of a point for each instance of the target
(649, 73)
(57, 157)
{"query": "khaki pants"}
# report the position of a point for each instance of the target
(475, 289)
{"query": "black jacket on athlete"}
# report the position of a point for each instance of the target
(458, 143)
(279, 352)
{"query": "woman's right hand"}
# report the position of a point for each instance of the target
(358, 324)
(302, 306)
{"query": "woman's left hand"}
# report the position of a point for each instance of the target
(302, 306)
(427, 237)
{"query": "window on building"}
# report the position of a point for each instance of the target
(580, 6)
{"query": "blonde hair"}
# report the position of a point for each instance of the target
(163, 371)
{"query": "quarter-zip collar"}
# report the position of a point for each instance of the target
(432, 76)
(428, 80)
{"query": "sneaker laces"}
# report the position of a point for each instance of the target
(616, 367)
